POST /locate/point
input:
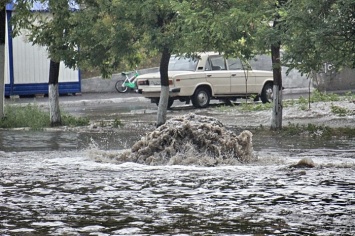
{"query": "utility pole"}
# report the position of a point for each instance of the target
(2, 58)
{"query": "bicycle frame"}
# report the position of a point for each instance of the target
(128, 82)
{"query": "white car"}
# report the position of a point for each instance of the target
(209, 76)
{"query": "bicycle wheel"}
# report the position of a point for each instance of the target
(120, 87)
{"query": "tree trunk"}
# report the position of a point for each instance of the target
(276, 120)
(2, 59)
(53, 94)
(164, 94)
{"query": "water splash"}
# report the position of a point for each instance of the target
(191, 140)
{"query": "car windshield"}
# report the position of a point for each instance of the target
(182, 64)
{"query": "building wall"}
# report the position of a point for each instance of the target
(335, 80)
(31, 64)
(323, 81)
(27, 68)
(291, 81)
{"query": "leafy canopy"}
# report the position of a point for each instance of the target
(319, 31)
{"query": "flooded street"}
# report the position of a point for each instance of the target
(59, 182)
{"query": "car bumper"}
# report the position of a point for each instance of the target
(153, 92)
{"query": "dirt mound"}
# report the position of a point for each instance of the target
(191, 139)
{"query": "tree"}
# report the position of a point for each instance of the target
(49, 30)
(126, 28)
(240, 28)
(53, 93)
(275, 41)
(109, 31)
(158, 27)
(319, 32)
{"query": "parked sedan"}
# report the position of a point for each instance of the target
(208, 76)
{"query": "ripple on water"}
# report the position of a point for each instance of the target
(58, 193)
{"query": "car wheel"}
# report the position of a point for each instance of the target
(201, 98)
(170, 102)
(267, 93)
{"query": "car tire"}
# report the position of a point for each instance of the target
(170, 102)
(267, 93)
(201, 98)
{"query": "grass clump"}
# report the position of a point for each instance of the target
(310, 130)
(29, 116)
(246, 106)
(314, 131)
(318, 96)
(256, 106)
(340, 111)
(117, 123)
(68, 120)
(35, 118)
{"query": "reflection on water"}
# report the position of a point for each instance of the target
(50, 185)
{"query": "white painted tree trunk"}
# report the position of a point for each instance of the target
(276, 120)
(54, 110)
(2, 79)
(163, 105)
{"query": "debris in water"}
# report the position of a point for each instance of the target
(191, 139)
(304, 163)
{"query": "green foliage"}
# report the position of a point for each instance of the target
(318, 32)
(3, 3)
(340, 111)
(227, 26)
(68, 120)
(256, 106)
(350, 96)
(246, 107)
(316, 131)
(35, 118)
(29, 116)
(318, 96)
(112, 33)
(117, 123)
(308, 129)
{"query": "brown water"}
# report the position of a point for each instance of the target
(50, 184)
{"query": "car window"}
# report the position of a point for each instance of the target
(234, 64)
(182, 64)
(237, 64)
(216, 63)
(261, 62)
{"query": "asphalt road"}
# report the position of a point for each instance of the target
(108, 97)
(125, 106)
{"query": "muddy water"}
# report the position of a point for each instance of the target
(51, 185)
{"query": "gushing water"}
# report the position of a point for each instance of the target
(68, 192)
(191, 140)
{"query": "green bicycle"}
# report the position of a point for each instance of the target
(122, 85)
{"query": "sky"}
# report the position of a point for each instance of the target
(38, 6)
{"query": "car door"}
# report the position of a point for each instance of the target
(241, 76)
(218, 75)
